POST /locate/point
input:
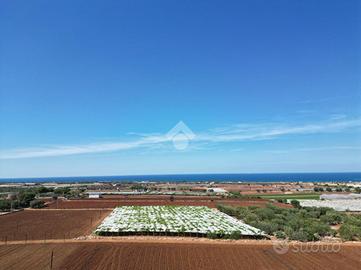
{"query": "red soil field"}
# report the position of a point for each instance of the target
(156, 200)
(161, 197)
(165, 256)
(49, 224)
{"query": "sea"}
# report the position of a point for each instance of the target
(230, 177)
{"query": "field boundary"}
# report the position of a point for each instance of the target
(168, 240)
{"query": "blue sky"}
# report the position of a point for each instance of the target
(93, 87)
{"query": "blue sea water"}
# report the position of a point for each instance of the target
(252, 177)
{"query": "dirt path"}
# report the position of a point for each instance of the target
(170, 240)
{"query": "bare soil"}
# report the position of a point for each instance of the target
(170, 256)
(57, 224)
(109, 202)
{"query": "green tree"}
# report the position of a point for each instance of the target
(332, 218)
(280, 234)
(299, 235)
(350, 232)
(25, 197)
(235, 235)
(5, 205)
(62, 191)
(296, 204)
(37, 204)
(43, 189)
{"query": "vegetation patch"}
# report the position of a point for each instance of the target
(298, 196)
(302, 223)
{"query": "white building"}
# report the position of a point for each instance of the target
(95, 195)
(216, 190)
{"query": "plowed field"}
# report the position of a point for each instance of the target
(175, 256)
(43, 224)
(111, 203)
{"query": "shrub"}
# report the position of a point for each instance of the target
(296, 222)
(350, 232)
(332, 218)
(315, 230)
(280, 234)
(235, 235)
(211, 235)
(296, 204)
(25, 197)
(62, 191)
(251, 218)
(299, 235)
(268, 227)
(353, 220)
(5, 205)
(235, 194)
(229, 210)
(265, 213)
(44, 190)
(37, 204)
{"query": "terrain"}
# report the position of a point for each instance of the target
(49, 224)
(59, 237)
(182, 255)
(112, 202)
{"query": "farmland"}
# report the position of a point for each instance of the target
(110, 203)
(173, 219)
(298, 196)
(157, 255)
(64, 228)
(49, 224)
(338, 205)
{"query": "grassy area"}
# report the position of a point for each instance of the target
(300, 196)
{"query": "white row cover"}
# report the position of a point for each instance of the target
(177, 219)
(340, 196)
(338, 205)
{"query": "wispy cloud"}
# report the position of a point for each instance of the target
(232, 133)
(317, 149)
(327, 99)
(270, 131)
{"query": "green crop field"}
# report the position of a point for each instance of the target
(300, 196)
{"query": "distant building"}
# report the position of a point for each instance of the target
(216, 190)
(95, 195)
